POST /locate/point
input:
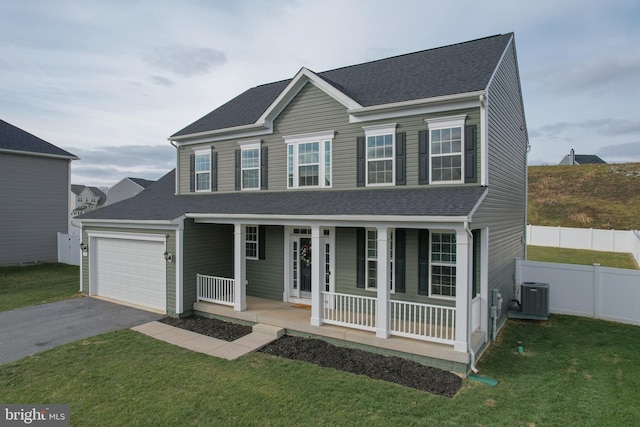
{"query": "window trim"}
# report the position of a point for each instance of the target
(325, 171)
(448, 122)
(433, 263)
(202, 152)
(246, 146)
(380, 130)
(248, 242)
(367, 259)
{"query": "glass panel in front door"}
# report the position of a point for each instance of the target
(305, 265)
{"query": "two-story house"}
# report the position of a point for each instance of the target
(126, 188)
(389, 198)
(34, 178)
(84, 199)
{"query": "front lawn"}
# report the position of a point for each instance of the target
(574, 371)
(37, 284)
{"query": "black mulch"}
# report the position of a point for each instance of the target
(387, 368)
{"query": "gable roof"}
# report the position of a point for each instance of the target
(144, 183)
(588, 159)
(454, 69)
(15, 139)
(158, 202)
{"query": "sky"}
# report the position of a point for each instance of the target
(111, 80)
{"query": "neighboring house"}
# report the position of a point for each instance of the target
(580, 159)
(85, 199)
(126, 188)
(388, 196)
(33, 196)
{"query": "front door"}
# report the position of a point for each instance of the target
(300, 262)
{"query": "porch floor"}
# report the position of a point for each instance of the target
(296, 320)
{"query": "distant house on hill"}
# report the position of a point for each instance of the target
(580, 159)
(33, 196)
(85, 199)
(126, 188)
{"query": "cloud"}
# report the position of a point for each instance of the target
(629, 152)
(608, 127)
(187, 61)
(162, 81)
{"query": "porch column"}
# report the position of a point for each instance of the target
(316, 277)
(382, 284)
(239, 253)
(463, 291)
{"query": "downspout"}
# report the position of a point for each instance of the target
(469, 346)
(177, 167)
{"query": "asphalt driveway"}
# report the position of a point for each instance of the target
(29, 330)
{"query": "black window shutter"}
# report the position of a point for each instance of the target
(401, 162)
(423, 262)
(399, 259)
(263, 169)
(261, 242)
(192, 173)
(476, 263)
(470, 153)
(214, 171)
(360, 253)
(423, 157)
(238, 170)
(361, 162)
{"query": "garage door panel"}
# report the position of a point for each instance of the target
(131, 271)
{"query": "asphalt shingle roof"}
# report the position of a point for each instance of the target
(459, 68)
(144, 183)
(15, 139)
(158, 202)
(588, 159)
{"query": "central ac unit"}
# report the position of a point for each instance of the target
(534, 299)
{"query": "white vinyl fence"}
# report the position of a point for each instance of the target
(592, 291)
(586, 238)
(69, 246)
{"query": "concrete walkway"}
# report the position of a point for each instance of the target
(261, 336)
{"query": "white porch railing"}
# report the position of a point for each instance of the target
(218, 290)
(349, 310)
(423, 321)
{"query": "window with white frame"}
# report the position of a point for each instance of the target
(203, 169)
(443, 265)
(446, 141)
(250, 165)
(309, 160)
(371, 279)
(251, 242)
(380, 153)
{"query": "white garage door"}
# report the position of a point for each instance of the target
(132, 271)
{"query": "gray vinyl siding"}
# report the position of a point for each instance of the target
(310, 111)
(170, 273)
(123, 190)
(346, 254)
(504, 209)
(34, 207)
(266, 277)
(208, 249)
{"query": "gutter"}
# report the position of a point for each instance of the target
(35, 154)
(469, 346)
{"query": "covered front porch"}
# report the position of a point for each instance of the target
(296, 319)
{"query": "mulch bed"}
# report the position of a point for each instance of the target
(387, 368)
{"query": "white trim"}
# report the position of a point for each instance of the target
(448, 122)
(484, 138)
(179, 268)
(380, 130)
(306, 137)
(143, 224)
(440, 263)
(256, 242)
(251, 145)
(128, 236)
(34, 154)
(202, 151)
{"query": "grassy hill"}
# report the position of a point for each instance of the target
(587, 196)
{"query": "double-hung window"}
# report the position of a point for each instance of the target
(443, 265)
(203, 169)
(380, 154)
(446, 145)
(251, 242)
(372, 260)
(309, 160)
(250, 166)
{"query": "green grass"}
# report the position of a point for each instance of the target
(573, 372)
(581, 257)
(37, 284)
(586, 196)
